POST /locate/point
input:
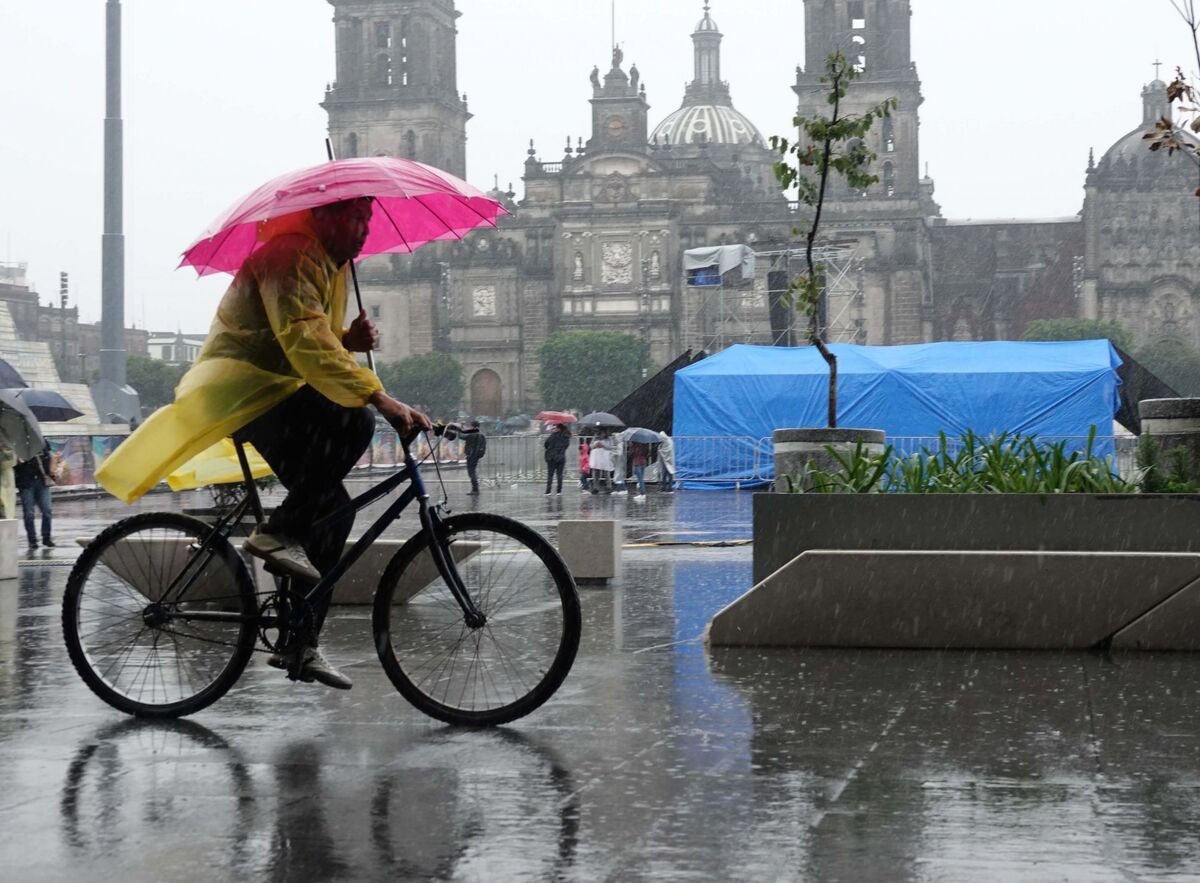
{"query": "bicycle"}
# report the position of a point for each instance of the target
(476, 619)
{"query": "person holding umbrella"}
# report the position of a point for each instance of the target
(278, 343)
(556, 445)
(34, 478)
(278, 368)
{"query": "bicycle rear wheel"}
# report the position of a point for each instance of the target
(153, 627)
(506, 668)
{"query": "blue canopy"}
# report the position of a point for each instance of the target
(1057, 390)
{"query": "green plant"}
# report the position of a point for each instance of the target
(1165, 472)
(590, 370)
(826, 145)
(1002, 464)
(433, 381)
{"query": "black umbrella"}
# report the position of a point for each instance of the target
(10, 378)
(602, 420)
(19, 429)
(46, 404)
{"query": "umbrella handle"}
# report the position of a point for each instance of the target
(353, 271)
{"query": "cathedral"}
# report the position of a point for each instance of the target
(596, 239)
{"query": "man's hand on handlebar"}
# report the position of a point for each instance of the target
(405, 420)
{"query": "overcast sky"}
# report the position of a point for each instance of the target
(223, 94)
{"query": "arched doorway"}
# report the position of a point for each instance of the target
(486, 393)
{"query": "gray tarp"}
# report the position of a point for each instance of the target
(724, 257)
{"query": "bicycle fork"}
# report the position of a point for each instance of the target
(447, 567)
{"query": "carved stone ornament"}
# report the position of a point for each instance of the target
(613, 189)
(483, 301)
(617, 263)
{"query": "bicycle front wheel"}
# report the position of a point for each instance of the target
(491, 674)
(154, 626)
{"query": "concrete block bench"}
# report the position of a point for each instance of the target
(591, 548)
(9, 535)
(970, 599)
(140, 562)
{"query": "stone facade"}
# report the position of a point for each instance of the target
(597, 237)
(1140, 220)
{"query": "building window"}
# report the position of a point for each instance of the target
(409, 149)
(352, 144)
(858, 15)
(383, 69)
(889, 135)
(889, 179)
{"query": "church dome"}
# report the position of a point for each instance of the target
(707, 23)
(1133, 146)
(708, 123)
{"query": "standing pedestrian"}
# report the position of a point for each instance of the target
(601, 462)
(666, 462)
(585, 464)
(556, 445)
(474, 447)
(639, 456)
(34, 478)
(620, 465)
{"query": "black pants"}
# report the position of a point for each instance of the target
(472, 466)
(312, 444)
(554, 467)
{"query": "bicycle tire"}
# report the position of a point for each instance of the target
(428, 611)
(123, 583)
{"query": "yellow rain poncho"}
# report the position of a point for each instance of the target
(278, 327)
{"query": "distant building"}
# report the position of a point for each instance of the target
(74, 345)
(175, 348)
(597, 238)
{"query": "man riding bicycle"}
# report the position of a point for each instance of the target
(277, 370)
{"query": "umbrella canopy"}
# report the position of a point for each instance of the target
(556, 417)
(414, 204)
(46, 404)
(19, 429)
(10, 378)
(601, 420)
(641, 436)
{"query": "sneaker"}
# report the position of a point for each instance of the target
(548, 494)
(559, 494)
(285, 553)
(315, 668)
(639, 498)
(33, 544)
(49, 543)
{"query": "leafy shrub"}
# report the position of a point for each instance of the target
(971, 465)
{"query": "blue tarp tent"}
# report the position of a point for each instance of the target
(744, 393)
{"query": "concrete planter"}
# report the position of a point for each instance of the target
(795, 448)
(785, 525)
(1001, 571)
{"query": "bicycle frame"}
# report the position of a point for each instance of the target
(431, 524)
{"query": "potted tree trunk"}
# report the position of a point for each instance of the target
(826, 146)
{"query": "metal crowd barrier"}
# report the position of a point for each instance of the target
(510, 459)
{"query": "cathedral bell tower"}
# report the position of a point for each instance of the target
(875, 36)
(620, 114)
(396, 92)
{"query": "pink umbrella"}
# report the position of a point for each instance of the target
(414, 204)
(555, 417)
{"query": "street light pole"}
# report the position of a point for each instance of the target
(112, 329)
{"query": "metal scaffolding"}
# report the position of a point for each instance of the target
(739, 310)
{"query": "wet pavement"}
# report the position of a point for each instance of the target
(657, 760)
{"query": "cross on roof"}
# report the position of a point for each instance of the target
(1157, 66)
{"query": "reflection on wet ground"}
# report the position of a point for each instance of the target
(657, 760)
